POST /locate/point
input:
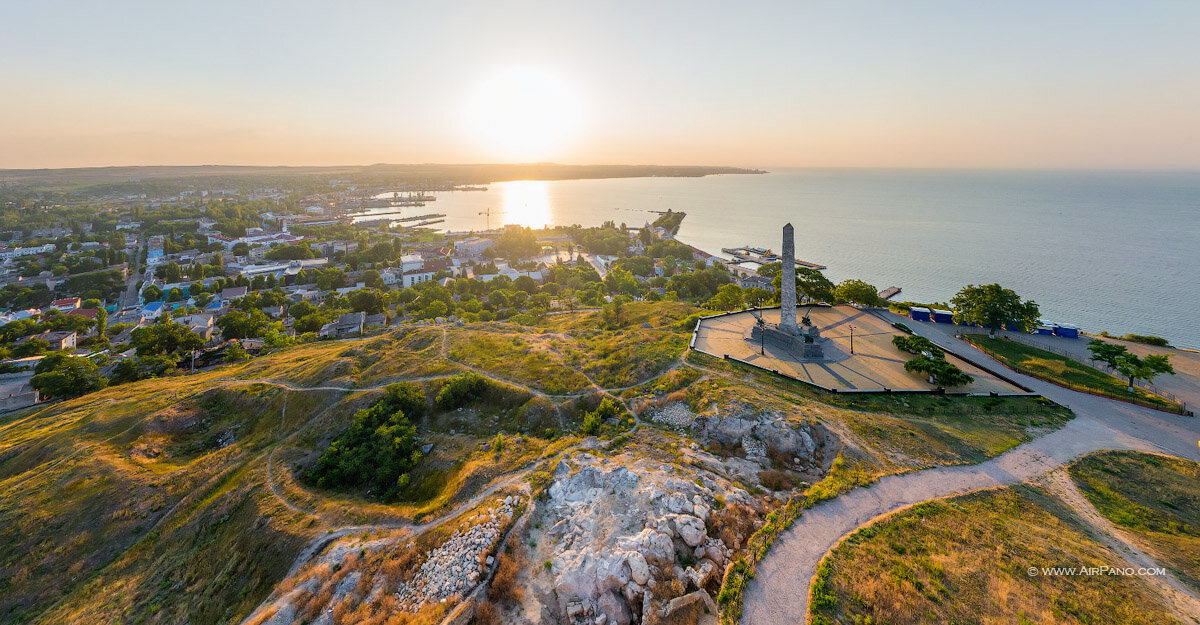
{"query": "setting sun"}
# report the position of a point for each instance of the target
(523, 114)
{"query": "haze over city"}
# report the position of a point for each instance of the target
(770, 84)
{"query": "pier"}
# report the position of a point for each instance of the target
(758, 255)
(394, 217)
(889, 293)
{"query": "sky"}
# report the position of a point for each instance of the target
(1014, 84)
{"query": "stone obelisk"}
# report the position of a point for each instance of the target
(787, 299)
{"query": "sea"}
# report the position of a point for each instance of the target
(1104, 250)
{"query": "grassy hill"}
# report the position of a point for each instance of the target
(180, 499)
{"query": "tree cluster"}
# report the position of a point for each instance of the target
(378, 449)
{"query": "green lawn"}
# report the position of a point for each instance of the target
(1154, 498)
(1052, 367)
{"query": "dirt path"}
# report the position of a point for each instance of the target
(779, 592)
(1180, 599)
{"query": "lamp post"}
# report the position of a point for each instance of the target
(851, 339)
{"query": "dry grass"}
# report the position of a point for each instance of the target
(965, 560)
(1155, 499)
(486, 613)
(504, 586)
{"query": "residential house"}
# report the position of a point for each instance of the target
(232, 293)
(349, 324)
(69, 303)
(375, 322)
(62, 340)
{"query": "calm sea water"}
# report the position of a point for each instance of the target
(1116, 251)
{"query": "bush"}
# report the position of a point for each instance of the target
(377, 450)
(917, 345)
(1146, 339)
(461, 390)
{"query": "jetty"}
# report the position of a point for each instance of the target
(761, 256)
(890, 292)
(394, 217)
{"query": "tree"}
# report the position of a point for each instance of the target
(378, 449)
(241, 325)
(620, 281)
(61, 376)
(991, 306)
(369, 301)
(141, 368)
(240, 248)
(1143, 368)
(372, 279)
(526, 284)
(30, 347)
(1107, 353)
(152, 293)
(728, 297)
(236, 353)
(311, 322)
(165, 339)
(857, 292)
(756, 297)
(809, 282)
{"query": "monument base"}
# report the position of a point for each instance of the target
(800, 347)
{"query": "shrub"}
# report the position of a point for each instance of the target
(461, 390)
(504, 585)
(376, 451)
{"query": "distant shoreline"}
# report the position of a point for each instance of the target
(380, 174)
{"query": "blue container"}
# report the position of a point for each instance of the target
(916, 313)
(942, 316)
(1066, 331)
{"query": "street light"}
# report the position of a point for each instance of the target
(851, 339)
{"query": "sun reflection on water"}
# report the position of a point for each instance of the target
(526, 202)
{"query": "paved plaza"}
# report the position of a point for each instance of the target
(875, 363)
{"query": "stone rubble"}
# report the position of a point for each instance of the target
(617, 533)
(458, 564)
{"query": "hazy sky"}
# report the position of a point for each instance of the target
(908, 84)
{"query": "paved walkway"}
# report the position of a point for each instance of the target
(779, 591)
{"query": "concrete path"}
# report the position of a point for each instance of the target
(779, 591)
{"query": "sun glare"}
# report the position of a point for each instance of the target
(524, 114)
(526, 202)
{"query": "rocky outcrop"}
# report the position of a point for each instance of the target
(619, 535)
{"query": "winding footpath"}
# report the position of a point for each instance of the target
(779, 591)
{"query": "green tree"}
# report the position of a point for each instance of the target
(992, 306)
(237, 324)
(164, 339)
(60, 376)
(370, 301)
(728, 297)
(236, 353)
(1107, 353)
(1143, 368)
(30, 347)
(141, 368)
(620, 281)
(152, 293)
(857, 292)
(377, 450)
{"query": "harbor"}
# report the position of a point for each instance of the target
(762, 256)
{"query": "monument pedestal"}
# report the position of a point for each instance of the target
(804, 345)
